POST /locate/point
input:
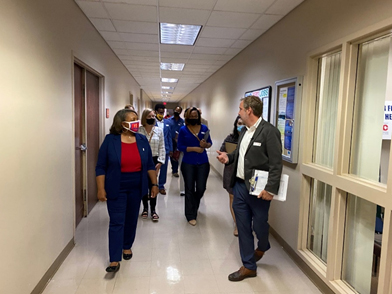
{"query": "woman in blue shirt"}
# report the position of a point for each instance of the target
(193, 139)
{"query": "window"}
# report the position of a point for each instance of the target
(326, 109)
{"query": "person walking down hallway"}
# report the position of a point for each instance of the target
(157, 143)
(176, 122)
(164, 124)
(259, 148)
(193, 139)
(229, 169)
(123, 166)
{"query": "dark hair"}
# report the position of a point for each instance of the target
(157, 106)
(120, 116)
(236, 134)
(255, 103)
(178, 107)
(188, 113)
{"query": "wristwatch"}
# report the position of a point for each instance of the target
(156, 185)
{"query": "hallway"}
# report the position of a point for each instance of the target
(173, 257)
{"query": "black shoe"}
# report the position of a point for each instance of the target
(113, 269)
(182, 194)
(127, 256)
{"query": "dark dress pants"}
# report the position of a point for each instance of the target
(247, 209)
(123, 213)
(174, 163)
(146, 198)
(195, 179)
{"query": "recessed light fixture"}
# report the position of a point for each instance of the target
(167, 93)
(166, 80)
(172, 66)
(167, 88)
(179, 34)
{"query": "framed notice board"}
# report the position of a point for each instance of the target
(265, 96)
(288, 106)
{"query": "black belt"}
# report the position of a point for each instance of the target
(239, 180)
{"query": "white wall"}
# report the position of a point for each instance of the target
(279, 54)
(38, 40)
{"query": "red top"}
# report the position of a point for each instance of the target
(130, 158)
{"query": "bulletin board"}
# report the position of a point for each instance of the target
(288, 105)
(265, 96)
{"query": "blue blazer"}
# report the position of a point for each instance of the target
(109, 163)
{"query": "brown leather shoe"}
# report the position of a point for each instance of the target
(162, 191)
(241, 274)
(258, 255)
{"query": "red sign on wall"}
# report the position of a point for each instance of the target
(107, 112)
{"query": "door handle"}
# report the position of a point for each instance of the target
(83, 147)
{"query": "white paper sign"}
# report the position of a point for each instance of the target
(261, 179)
(386, 128)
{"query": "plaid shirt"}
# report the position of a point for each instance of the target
(157, 142)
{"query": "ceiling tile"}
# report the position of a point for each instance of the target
(223, 33)
(132, 12)
(174, 60)
(225, 57)
(199, 4)
(232, 19)
(111, 36)
(139, 38)
(144, 53)
(204, 56)
(103, 24)
(175, 54)
(283, 7)
(256, 6)
(252, 34)
(241, 44)
(138, 27)
(183, 16)
(209, 42)
(116, 45)
(176, 48)
(266, 21)
(121, 51)
(209, 50)
(142, 46)
(141, 2)
(93, 9)
(199, 61)
(233, 51)
(146, 58)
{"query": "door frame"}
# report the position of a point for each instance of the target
(101, 117)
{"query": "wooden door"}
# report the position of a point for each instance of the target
(92, 132)
(79, 123)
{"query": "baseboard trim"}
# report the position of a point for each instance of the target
(53, 268)
(317, 281)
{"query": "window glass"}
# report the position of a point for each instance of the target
(320, 207)
(326, 109)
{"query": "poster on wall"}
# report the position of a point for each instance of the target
(265, 96)
(288, 97)
(386, 128)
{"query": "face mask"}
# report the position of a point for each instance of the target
(159, 116)
(150, 121)
(133, 126)
(192, 121)
(239, 128)
(176, 114)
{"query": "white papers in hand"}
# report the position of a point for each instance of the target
(261, 178)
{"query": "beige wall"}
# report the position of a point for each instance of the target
(279, 54)
(38, 40)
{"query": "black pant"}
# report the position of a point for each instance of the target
(174, 162)
(153, 201)
(195, 179)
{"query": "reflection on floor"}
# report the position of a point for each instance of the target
(171, 256)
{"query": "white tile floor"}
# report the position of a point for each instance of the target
(171, 256)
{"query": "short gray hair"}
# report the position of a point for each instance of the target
(255, 103)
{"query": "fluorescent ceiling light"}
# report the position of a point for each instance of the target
(179, 34)
(167, 88)
(166, 80)
(172, 66)
(167, 92)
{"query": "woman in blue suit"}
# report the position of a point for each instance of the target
(123, 167)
